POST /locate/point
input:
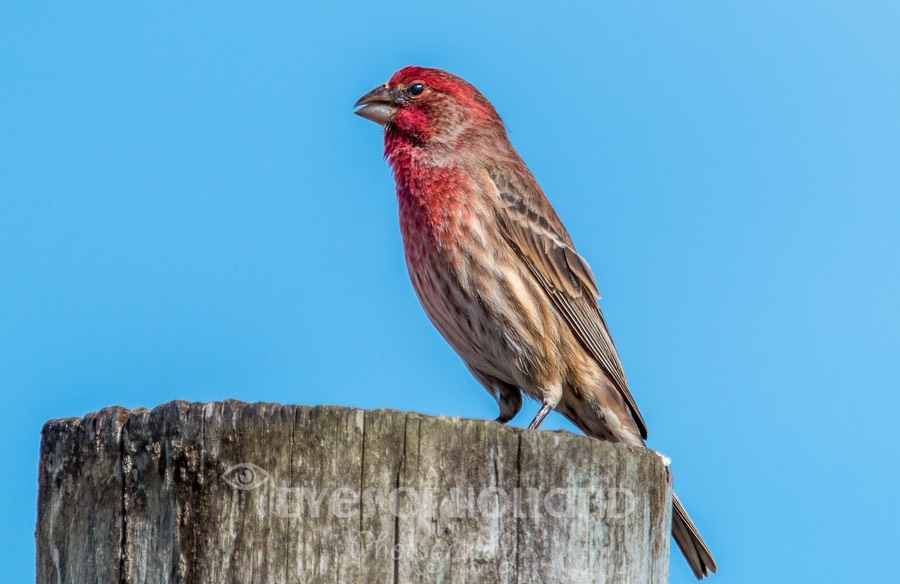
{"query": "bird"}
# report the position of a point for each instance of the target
(496, 271)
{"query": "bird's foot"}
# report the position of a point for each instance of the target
(541, 415)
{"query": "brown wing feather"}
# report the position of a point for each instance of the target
(532, 228)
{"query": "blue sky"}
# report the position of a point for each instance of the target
(189, 209)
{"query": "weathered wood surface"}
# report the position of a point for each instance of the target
(234, 492)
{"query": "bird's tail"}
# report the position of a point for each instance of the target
(584, 414)
(688, 539)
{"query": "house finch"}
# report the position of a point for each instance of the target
(496, 271)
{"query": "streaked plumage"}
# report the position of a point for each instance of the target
(495, 269)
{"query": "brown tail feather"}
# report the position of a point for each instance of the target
(688, 539)
(583, 413)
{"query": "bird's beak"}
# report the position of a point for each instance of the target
(379, 105)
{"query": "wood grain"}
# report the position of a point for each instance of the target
(233, 492)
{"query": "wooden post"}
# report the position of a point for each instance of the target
(234, 492)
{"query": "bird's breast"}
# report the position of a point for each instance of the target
(470, 284)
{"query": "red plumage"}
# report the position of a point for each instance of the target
(496, 270)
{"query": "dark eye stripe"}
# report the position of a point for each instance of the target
(416, 89)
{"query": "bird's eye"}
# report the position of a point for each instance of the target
(416, 89)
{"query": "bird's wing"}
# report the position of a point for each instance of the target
(531, 226)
